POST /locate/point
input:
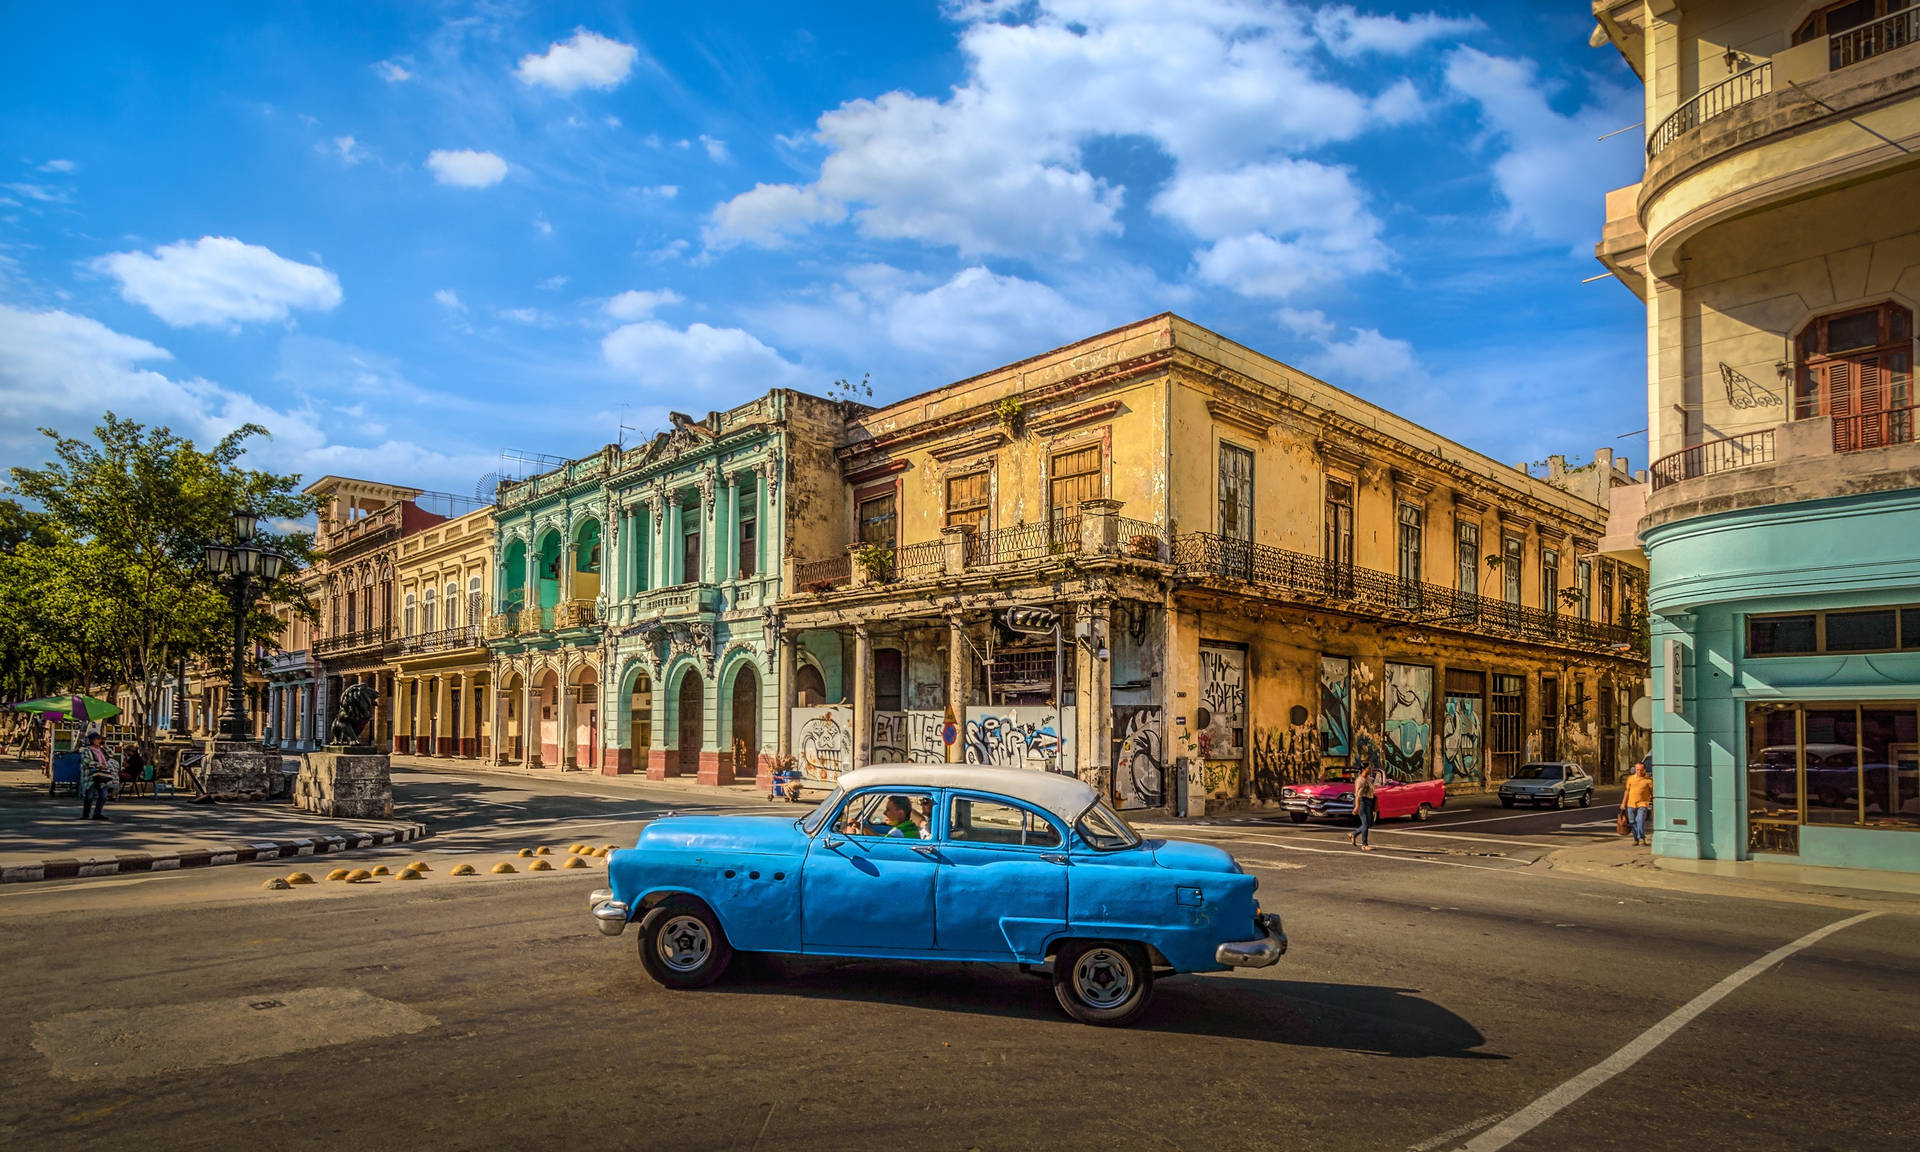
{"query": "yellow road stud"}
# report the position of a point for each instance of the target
(381, 870)
(337, 874)
(540, 866)
(299, 878)
(573, 848)
(276, 884)
(357, 875)
(502, 868)
(543, 850)
(420, 866)
(574, 862)
(410, 874)
(525, 852)
(463, 870)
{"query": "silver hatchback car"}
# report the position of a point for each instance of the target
(1554, 783)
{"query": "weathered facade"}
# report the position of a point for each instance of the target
(662, 629)
(441, 664)
(1773, 241)
(1253, 575)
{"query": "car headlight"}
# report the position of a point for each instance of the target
(1344, 796)
(1288, 792)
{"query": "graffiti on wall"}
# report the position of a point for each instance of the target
(1016, 737)
(908, 738)
(1138, 764)
(1283, 756)
(1460, 741)
(822, 741)
(1336, 705)
(1408, 726)
(1223, 703)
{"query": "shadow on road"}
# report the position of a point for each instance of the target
(1351, 1017)
(447, 806)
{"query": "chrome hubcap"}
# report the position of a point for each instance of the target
(685, 943)
(1103, 978)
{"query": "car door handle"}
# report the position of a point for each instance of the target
(830, 842)
(928, 851)
(1053, 857)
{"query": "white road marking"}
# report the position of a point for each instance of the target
(1444, 823)
(1544, 1109)
(1466, 1129)
(1591, 824)
(1355, 852)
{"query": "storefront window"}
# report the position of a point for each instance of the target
(1850, 765)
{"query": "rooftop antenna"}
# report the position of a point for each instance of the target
(624, 428)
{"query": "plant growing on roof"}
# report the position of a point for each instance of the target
(1009, 411)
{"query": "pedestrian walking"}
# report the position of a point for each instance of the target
(1637, 804)
(98, 766)
(1363, 806)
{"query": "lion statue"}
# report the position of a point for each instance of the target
(350, 720)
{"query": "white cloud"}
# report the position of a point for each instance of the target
(450, 300)
(1548, 152)
(1348, 34)
(348, 150)
(634, 304)
(1277, 228)
(392, 72)
(543, 226)
(40, 192)
(465, 168)
(996, 166)
(553, 283)
(1311, 323)
(1366, 359)
(218, 280)
(697, 359)
(585, 60)
(716, 149)
(532, 317)
(663, 191)
(769, 212)
(63, 166)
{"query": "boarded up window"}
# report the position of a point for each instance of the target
(967, 501)
(878, 518)
(1073, 476)
(1339, 543)
(1236, 492)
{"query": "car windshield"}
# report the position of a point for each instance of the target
(1102, 829)
(1538, 772)
(810, 823)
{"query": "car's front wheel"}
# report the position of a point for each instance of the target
(681, 944)
(1102, 981)
(1559, 801)
(1298, 817)
(1506, 801)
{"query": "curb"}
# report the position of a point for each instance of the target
(67, 868)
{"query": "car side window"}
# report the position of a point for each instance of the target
(973, 821)
(885, 812)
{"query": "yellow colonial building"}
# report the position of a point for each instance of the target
(443, 577)
(1194, 575)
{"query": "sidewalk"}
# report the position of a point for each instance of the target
(43, 838)
(725, 793)
(1620, 861)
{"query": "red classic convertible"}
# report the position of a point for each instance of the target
(1332, 796)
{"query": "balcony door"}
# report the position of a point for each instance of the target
(1857, 367)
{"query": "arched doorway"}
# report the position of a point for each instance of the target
(809, 687)
(692, 711)
(639, 722)
(585, 737)
(745, 740)
(545, 723)
(513, 728)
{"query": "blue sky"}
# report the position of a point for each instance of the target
(406, 237)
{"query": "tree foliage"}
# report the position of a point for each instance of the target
(106, 584)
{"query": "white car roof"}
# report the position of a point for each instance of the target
(1063, 796)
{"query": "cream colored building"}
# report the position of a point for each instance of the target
(1774, 239)
(443, 578)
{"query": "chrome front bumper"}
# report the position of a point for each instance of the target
(1314, 806)
(1260, 953)
(610, 914)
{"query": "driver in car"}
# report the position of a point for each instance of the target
(896, 819)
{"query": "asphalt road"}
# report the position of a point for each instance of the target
(1435, 988)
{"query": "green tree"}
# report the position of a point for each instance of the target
(119, 593)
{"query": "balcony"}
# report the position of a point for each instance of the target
(1714, 457)
(501, 625)
(575, 614)
(1870, 40)
(444, 640)
(353, 642)
(820, 575)
(1030, 541)
(1718, 100)
(1314, 582)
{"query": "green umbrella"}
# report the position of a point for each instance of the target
(68, 707)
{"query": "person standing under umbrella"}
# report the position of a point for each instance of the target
(100, 772)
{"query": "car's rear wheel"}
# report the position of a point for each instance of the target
(1298, 817)
(1423, 812)
(1586, 798)
(681, 944)
(1104, 982)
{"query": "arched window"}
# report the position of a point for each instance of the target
(406, 623)
(453, 604)
(473, 599)
(1857, 367)
(426, 612)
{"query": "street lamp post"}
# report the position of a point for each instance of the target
(237, 565)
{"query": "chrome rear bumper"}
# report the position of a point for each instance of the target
(1259, 953)
(611, 915)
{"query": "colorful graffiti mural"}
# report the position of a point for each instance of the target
(908, 738)
(1460, 741)
(1408, 726)
(1020, 737)
(822, 741)
(1283, 756)
(1336, 705)
(1223, 700)
(1139, 767)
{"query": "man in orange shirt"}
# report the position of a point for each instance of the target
(1638, 802)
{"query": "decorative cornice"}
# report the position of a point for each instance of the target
(1470, 503)
(1084, 416)
(972, 447)
(1409, 484)
(877, 471)
(1334, 453)
(1240, 416)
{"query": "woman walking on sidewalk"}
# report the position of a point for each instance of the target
(1637, 804)
(1363, 806)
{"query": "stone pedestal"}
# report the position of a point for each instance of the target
(239, 768)
(351, 782)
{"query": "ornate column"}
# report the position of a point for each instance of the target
(783, 689)
(657, 532)
(529, 720)
(959, 680)
(563, 737)
(710, 530)
(1093, 699)
(730, 565)
(862, 696)
(442, 730)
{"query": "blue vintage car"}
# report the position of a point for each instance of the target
(995, 865)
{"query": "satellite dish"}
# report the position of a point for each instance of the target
(486, 487)
(1642, 713)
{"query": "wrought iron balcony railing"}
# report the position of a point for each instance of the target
(826, 573)
(1315, 581)
(1715, 456)
(444, 640)
(352, 641)
(1874, 39)
(1053, 537)
(1873, 429)
(1718, 100)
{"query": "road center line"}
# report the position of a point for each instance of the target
(1543, 1109)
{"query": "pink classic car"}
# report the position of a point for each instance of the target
(1332, 795)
